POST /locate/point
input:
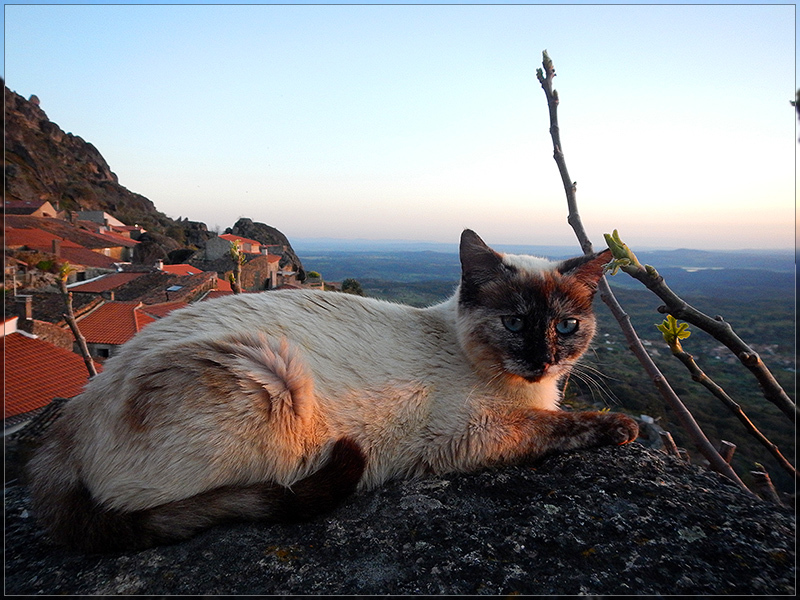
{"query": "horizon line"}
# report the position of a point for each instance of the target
(403, 241)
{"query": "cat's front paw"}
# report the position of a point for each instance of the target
(617, 429)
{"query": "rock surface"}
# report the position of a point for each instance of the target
(624, 520)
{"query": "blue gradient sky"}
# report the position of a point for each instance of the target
(412, 122)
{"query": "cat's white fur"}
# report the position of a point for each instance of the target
(393, 397)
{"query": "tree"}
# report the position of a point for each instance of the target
(238, 258)
(352, 286)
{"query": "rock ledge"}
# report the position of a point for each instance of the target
(624, 520)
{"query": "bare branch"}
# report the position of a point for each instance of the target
(69, 317)
(723, 332)
(699, 376)
(545, 77)
(570, 187)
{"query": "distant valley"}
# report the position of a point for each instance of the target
(700, 272)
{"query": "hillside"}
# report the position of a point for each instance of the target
(42, 162)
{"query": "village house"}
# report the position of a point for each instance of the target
(42, 314)
(105, 285)
(122, 234)
(152, 285)
(35, 372)
(55, 333)
(260, 271)
(98, 216)
(33, 208)
(112, 245)
(220, 246)
(85, 263)
(112, 324)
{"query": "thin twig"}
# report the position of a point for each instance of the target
(765, 487)
(719, 329)
(700, 377)
(726, 450)
(685, 417)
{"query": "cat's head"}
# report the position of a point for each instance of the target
(524, 316)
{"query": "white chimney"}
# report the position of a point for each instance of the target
(160, 264)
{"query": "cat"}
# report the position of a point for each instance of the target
(279, 405)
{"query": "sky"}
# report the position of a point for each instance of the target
(414, 122)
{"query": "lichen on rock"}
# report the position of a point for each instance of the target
(624, 520)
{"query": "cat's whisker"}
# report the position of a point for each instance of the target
(593, 379)
(483, 385)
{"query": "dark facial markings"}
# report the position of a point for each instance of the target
(542, 319)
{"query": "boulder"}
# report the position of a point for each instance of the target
(623, 520)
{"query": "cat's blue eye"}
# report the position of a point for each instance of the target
(567, 326)
(514, 324)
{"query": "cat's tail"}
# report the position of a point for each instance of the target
(74, 518)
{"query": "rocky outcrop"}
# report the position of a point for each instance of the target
(196, 233)
(42, 162)
(270, 236)
(625, 520)
(152, 247)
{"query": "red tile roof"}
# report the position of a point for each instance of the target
(36, 239)
(161, 310)
(42, 241)
(33, 204)
(232, 238)
(106, 282)
(114, 323)
(87, 239)
(217, 294)
(23, 207)
(35, 372)
(87, 258)
(117, 239)
(181, 269)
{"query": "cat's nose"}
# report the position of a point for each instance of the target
(537, 374)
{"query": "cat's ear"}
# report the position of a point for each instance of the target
(479, 263)
(588, 269)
